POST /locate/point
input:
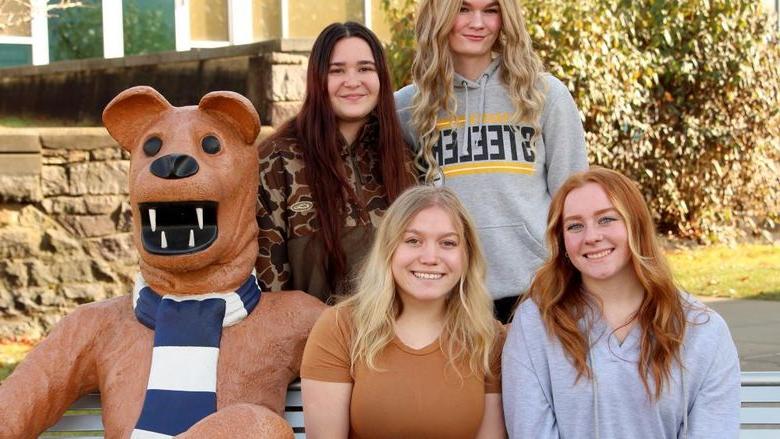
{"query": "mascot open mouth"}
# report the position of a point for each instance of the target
(178, 228)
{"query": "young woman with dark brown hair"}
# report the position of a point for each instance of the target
(328, 174)
(605, 345)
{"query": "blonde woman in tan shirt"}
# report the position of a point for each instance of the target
(415, 351)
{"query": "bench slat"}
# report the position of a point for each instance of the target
(760, 378)
(760, 394)
(758, 434)
(295, 419)
(87, 402)
(78, 423)
(294, 398)
(760, 415)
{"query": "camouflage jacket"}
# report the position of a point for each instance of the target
(289, 257)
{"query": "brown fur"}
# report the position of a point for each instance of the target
(101, 346)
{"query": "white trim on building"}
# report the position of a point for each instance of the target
(284, 14)
(240, 21)
(7, 39)
(181, 18)
(367, 14)
(39, 29)
(113, 29)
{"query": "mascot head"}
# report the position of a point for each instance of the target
(193, 185)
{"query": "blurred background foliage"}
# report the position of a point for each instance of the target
(682, 96)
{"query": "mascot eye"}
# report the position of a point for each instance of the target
(210, 145)
(152, 146)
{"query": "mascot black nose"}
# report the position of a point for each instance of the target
(173, 166)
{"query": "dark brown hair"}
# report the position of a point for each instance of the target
(316, 128)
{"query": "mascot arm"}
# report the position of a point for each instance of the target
(51, 377)
(241, 420)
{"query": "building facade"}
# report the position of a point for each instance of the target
(37, 34)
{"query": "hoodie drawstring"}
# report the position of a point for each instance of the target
(466, 120)
(685, 402)
(595, 388)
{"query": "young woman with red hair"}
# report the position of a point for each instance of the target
(328, 174)
(605, 344)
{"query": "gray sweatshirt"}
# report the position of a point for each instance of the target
(504, 181)
(541, 399)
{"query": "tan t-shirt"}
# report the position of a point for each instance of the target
(414, 395)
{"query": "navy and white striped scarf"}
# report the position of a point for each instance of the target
(182, 387)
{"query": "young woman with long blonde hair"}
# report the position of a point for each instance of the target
(606, 345)
(414, 352)
(486, 120)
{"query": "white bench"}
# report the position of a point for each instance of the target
(759, 415)
(82, 420)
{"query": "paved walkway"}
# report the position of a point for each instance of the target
(755, 327)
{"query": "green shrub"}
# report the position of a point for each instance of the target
(682, 96)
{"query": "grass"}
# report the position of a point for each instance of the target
(26, 122)
(11, 353)
(745, 271)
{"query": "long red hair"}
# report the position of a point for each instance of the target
(316, 129)
(557, 291)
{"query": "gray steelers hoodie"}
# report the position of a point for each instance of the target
(504, 180)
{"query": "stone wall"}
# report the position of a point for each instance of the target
(271, 74)
(65, 225)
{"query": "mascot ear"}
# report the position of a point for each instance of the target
(128, 114)
(234, 109)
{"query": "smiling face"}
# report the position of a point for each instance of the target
(353, 82)
(430, 259)
(595, 236)
(475, 30)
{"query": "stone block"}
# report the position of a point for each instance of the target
(9, 216)
(124, 217)
(102, 272)
(78, 156)
(20, 188)
(31, 217)
(40, 274)
(55, 156)
(17, 242)
(115, 248)
(20, 142)
(54, 180)
(83, 293)
(59, 242)
(72, 271)
(48, 297)
(76, 138)
(20, 164)
(6, 299)
(286, 58)
(99, 178)
(104, 204)
(61, 205)
(282, 111)
(14, 275)
(88, 226)
(288, 83)
(104, 154)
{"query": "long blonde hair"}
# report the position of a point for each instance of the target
(556, 288)
(433, 72)
(469, 329)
